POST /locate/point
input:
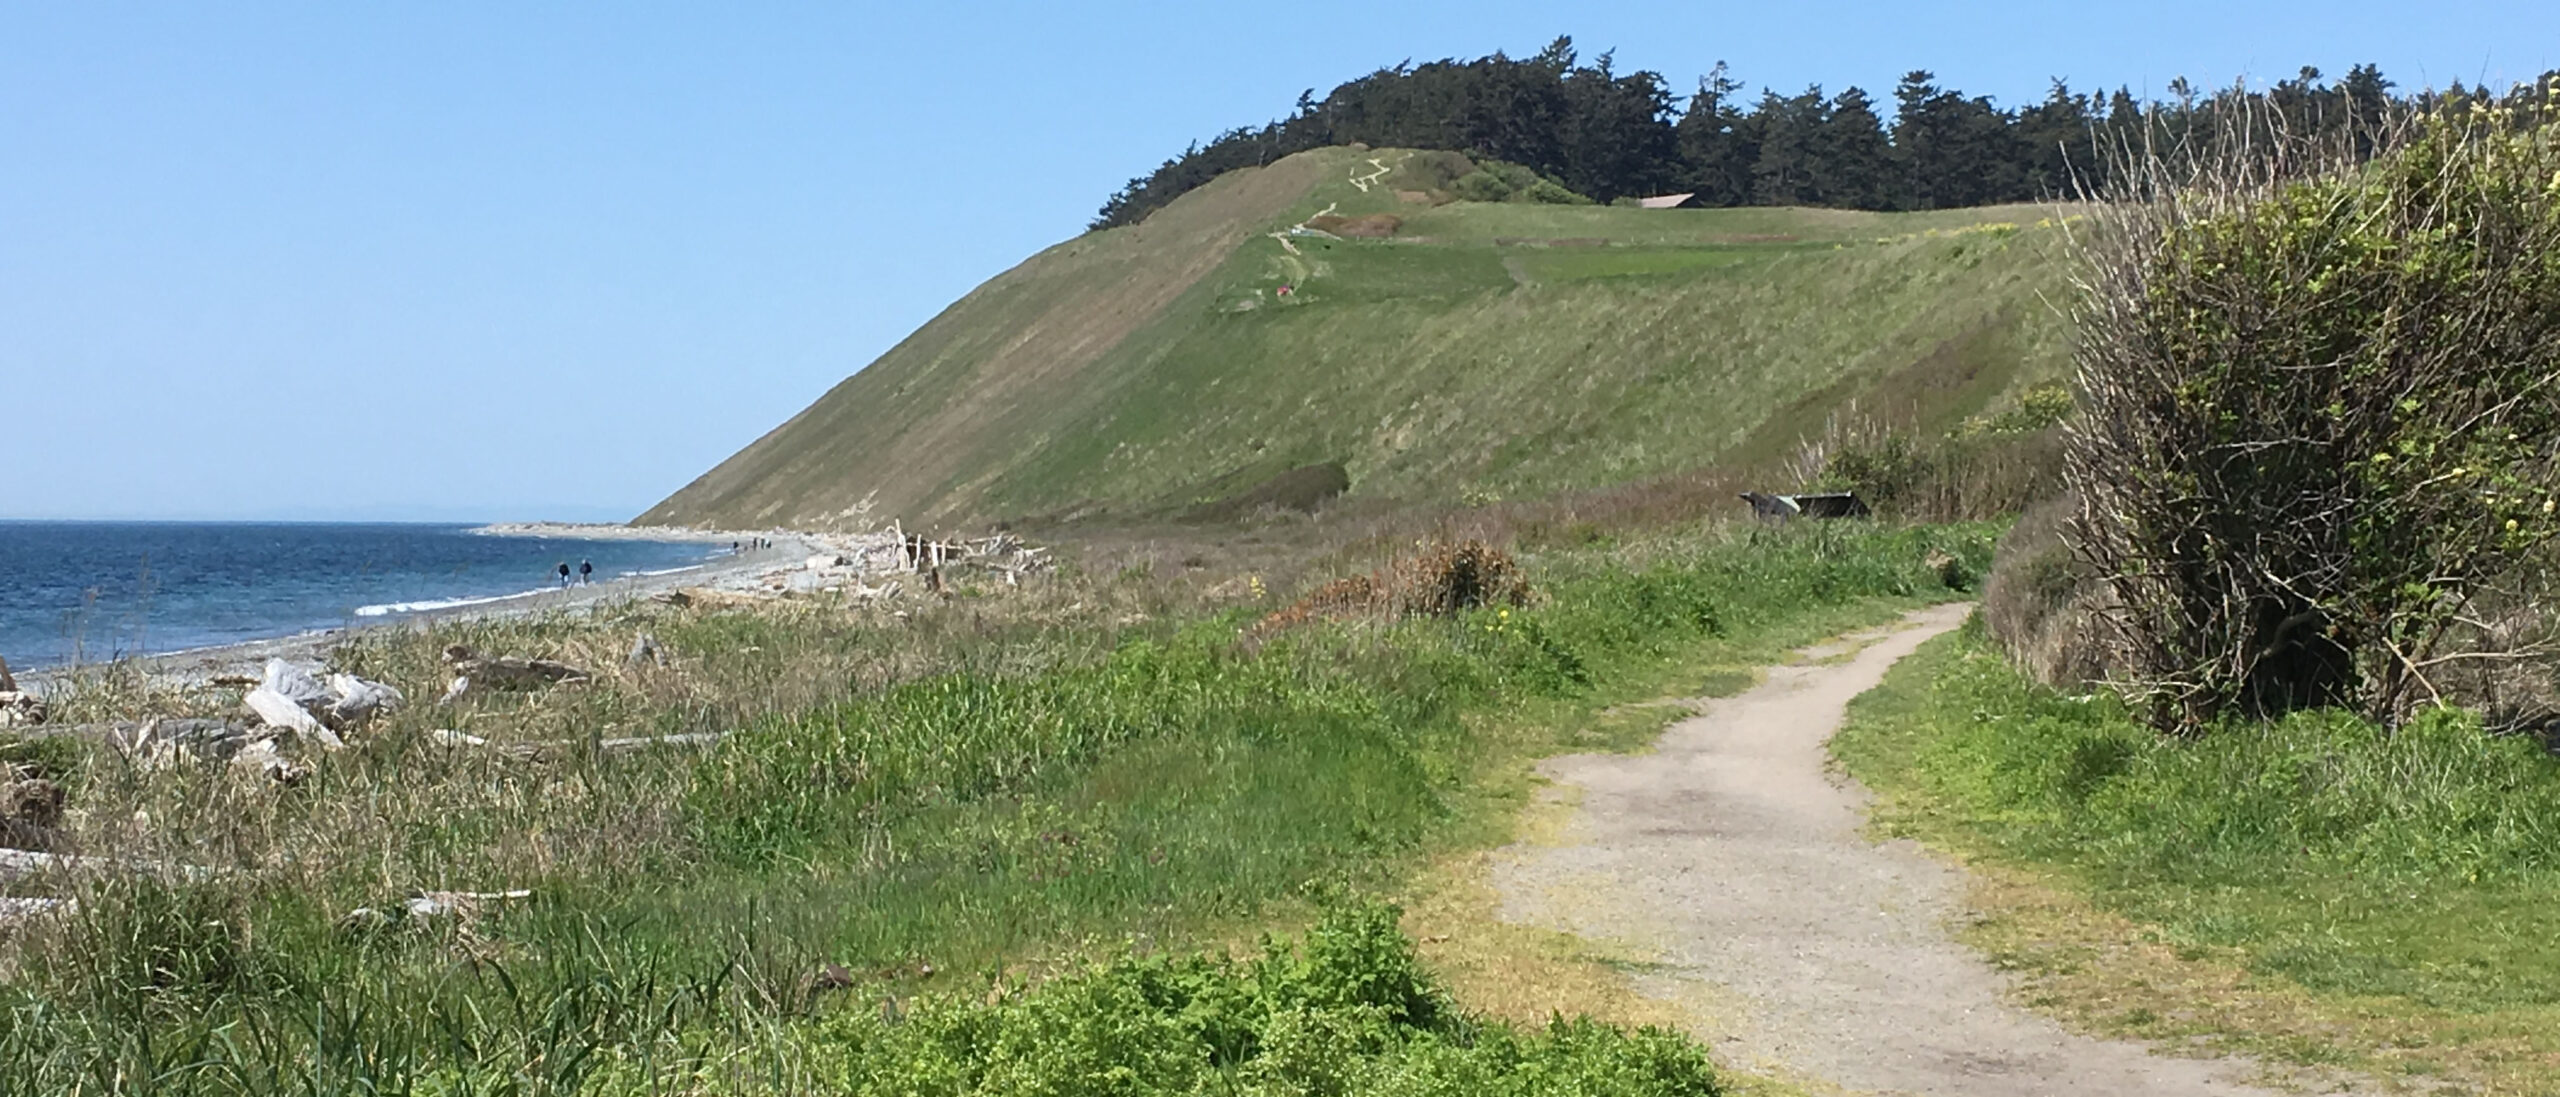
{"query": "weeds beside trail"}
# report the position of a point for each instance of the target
(2312, 889)
(916, 812)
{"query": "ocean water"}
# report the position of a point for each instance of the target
(93, 591)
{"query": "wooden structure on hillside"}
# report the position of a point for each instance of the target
(1779, 508)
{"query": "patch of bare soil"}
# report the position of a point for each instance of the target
(1734, 856)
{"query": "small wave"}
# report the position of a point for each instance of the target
(661, 571)
(389, 608)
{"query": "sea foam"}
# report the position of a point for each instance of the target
(388, 608)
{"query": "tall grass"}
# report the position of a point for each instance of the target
(912, 806)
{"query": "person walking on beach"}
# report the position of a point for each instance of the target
(586, 572)
(564, 575)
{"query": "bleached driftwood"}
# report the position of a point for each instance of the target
(155, 744)
(98, 732)
(342, 702)
(453, 738)
(696, 738)
(20, 710)
(217, 738)
(356, 700)
(17, 909)
(16, 864)
(279, 710)
(423, 907)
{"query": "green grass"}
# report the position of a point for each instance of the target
(1050, 785)
(2406, 880)
(1352, 1011)
(1122, 372)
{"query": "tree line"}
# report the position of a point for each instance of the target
(1608, 134)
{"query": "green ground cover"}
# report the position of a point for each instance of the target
(1044, 784)
(2330, 892)
(1522, 349)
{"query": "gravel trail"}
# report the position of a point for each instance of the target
(1733, 856)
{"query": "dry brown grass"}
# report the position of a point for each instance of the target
(2041, 603)
(1375, 226)
(1438, 580)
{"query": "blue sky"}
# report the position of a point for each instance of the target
(487, 261)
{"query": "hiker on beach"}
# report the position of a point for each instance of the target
(564, 575)
(586, 572)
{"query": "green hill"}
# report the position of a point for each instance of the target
(1504, 348)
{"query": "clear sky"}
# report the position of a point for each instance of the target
(495, 261)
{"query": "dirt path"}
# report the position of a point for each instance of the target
(1735, 858)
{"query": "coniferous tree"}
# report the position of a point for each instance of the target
(2057, 138)
(1955, 151)
(1608, 134)
(1716, 155)
(1789, 170)
(1618, 138)
(1855, 156)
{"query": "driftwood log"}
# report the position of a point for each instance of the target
(19, 710)
(423, 907)
(509, 671)
(18, 864)
(555, 747)
(16, 909)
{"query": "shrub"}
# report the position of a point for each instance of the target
(1350, 1011)
(1552, 193)
(1498, 181)
(1480, 186)
(2323, 417)
(1968, 474)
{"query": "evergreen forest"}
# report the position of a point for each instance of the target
(1605, 134)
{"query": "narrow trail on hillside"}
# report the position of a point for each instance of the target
(1364, 182)
(1734, 856)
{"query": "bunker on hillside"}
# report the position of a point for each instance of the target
(1779, 508)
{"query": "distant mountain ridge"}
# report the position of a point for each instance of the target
(1191, 360)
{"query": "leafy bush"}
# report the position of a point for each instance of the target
(1500, 181)
(1970, 474)
(1349, 1011)
(2323, 419)
(1549, 192)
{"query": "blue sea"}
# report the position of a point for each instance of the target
(94, 591)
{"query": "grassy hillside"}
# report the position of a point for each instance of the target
(1500, 349)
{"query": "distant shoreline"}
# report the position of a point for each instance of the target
(616, 531)
(750, 568)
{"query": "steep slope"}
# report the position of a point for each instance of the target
(923, 415)
(1514, 349)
